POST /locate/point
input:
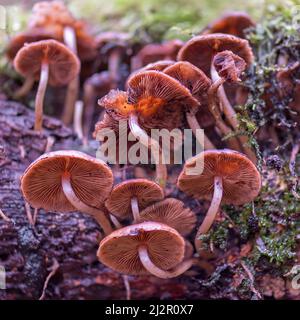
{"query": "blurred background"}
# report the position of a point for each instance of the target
(153, 19)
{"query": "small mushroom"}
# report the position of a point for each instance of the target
(99, 84)
(201, 51)
(234, 23)
(154, 52)
(198, 84)
(171, 212)
(159, 65)
(50, 62)
(228, 177)
(144, 248)
(55, 17)
(131, 196)
(63, 181)
(16, 43)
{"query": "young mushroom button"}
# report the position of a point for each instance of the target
(129, 197)
(228, 177)
(146, 247)
(171, 212)
(49, 62)
(63, 181)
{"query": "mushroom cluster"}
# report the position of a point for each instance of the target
(173, 85)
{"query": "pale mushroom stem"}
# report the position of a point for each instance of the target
(40, 95)
(73, 87)
(115, 222)
(139, 133)
(229, 112)
(164, 274)
(89, 98)
(135, 209)
(212, 211)
(214, 109)
(114, 64)
(96, 213)
(194, 125)
(25, 88)
(77, 122)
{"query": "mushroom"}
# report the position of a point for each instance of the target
(63, 181)
(171, 212)
(131, 196)
(154, 52)
(198, 84)
(153, 100)
(159, 65)
(228, 177)
(201, 50)
(49, 61)
(97, 85)
(55, 16)
(144, 248)
(234, 23)
(16, 43)
(229, 68)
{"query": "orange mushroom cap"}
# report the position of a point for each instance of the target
(119, 250)
(171, 212)
(200, 50)
(63, 63)
(28, 36)
(241, 179)
(234, 23)
(145, 191)
(191, 77)
(151, 91)
(91, 180)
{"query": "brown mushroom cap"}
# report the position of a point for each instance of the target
(150, 91)
(171, 212)
(156, 51)
(158, 65)
(91, 180)
(50, 12)
(63, 63)
(241, 179)
(54, 16)
(234, 23)
(191, 77)
(200, 50)
(119, 250)
(28, 36)
(145, 191)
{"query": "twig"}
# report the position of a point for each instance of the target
(4, 217)
(127, 287)
(53, 270)
(293, 156)
(251, 278)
